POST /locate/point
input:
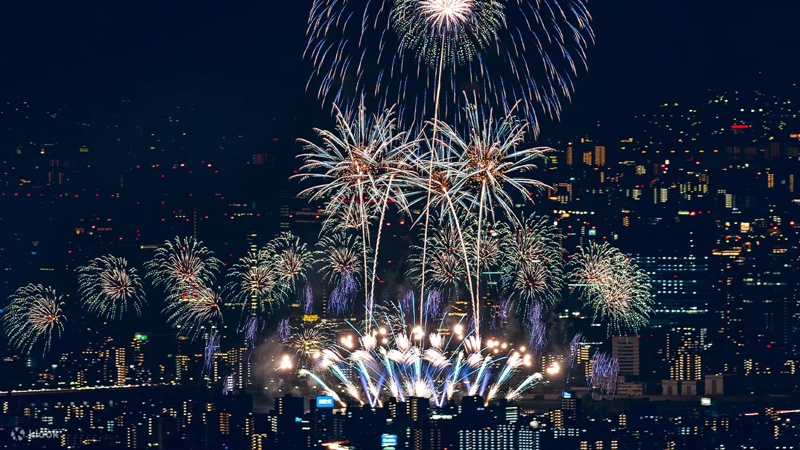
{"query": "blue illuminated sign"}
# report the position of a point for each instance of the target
(324, 402)
(389, 440)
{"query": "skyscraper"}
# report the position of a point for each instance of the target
(626, 350)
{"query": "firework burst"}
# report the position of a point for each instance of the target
(182, 267)
(253, 281)
(195, 315)
(33, 315)
(603, 376)
(617, 289)
(309, 342)
(108, 287)
(397, 51)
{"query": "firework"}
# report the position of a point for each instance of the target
(500, 318)
(291, 260)
(108, 287)
(252, 326)
(308, 300)
(182, 267)
(603, 376)
(254, 281)
(402, 360)
(575, 346)
(192, 316)
(391, 51)
(445, 265)
(613, 286)
(339, 256)
(33, 314)
(309, 342)
(538, 341)
(227, 385)
(341, 298)
(284, 329)
(360, 166)
(211, 348)
(532, 263)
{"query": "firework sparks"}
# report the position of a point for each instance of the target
(614, 287)
(291, 260)
(603, 376)
(284, 330)
(500, 318)
(252, 326)
(211, 348)
(108, 287)
(575, 346)
(227, 385)
(308, 300)
(33, 314)
(538, 341)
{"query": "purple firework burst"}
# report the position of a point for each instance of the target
(433, 307)
(308, 300)
(407, 303)
(574, 347)
(501, 317)
(342, 296)
(284, 329)
(212, 345)
(227, 385)
(603, 376)
(538, 342)
(251, 328)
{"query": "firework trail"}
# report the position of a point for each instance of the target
(308, 300)
(107, 287)
(407, 303)
(603, 376)
(507, 52)
(33, 314)
(538, 340)
(182, 267)
(284, 329)
(212, 345)
(614, 287)
(192, 316)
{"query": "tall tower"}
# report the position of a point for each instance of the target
(626, 350)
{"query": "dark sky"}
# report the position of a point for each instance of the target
(646, 51)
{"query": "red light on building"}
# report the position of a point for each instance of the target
(740, 127)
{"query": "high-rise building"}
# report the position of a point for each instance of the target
(599, 155)
(684, 349)
(626, 350)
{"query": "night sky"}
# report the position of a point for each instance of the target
(250, 53)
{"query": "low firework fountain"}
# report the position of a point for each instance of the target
(407, 361)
